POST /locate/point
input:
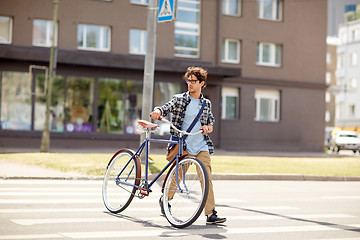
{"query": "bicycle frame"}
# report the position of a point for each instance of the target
(145, 145)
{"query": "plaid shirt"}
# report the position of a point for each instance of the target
(177, 107)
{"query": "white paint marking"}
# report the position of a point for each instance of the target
(341, 197)
(28, 222)
(178, 232)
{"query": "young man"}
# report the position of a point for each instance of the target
(184, 108)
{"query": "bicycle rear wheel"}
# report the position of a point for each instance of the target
(184, 205)
(122, 174)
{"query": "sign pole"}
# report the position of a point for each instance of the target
(148, 84)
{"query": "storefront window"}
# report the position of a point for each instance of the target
(111, 105)
(163, 92)
(56, 121)
(15, 101)
(133, 105)
(79, 104)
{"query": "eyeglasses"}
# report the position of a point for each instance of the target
(191, 81)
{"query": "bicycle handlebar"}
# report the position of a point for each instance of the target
(178, 130)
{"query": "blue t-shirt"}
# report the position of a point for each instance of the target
(196, 143)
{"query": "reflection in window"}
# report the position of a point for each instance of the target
(111, 105)
(267, 103)
(142, 2)
(230, 99)
(269, 54)
(56, 121)
(93, 37)
(270, 9)
(5, 29)
(187, 29)
(231, 7)
(79, 104)
(43, 33)
(163, 92)
(137, 43)
(15, 101)
(230, 51)
(133, 105)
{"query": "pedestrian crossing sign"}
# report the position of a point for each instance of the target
(166, 10)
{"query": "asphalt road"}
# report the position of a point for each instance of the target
(65, 209)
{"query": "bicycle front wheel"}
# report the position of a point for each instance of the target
(185, 198)
(122, 175)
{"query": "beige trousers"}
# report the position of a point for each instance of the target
(204, 157)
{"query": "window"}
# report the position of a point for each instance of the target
(327, 116)
(137, 41)
(79, 104)
(15, 101)
(270, 9)
(133, 105)
(230, 51)
(353, 59)
(92, 37)
(267, 104)
(353, 83)
(352, 111)
(142, 2)
(231, 7)
(355, 35)
(327, 97)
(187, 29)
(230, 100)
(43, 33)
(163, 91)
(269, 54)
(328, 78)
(57, 113)
(343, 38)
(111, 105)
(340, 61)
(328, 58)
(5, 29)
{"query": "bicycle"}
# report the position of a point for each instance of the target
(184, 190)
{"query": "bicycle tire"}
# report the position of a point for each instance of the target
(124, 167)
(183, 207)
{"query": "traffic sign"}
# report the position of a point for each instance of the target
(166, 10)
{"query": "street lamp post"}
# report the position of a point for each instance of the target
(45, 139)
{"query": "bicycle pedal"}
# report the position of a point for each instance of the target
(144, 192)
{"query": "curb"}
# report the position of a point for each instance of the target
(215, 176)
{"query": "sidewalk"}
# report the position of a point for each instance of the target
(20, 171)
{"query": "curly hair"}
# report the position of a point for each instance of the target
(198, 72)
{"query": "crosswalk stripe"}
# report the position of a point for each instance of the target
(90, 200)
(341, 197)
(157, 219)
(44, 201)
(179, 232)
(49, 189)
(31, 236)
(337, 238)
(129, 209)
(27, 194)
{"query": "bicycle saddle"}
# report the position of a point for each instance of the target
(147, 124)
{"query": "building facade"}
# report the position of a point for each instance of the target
(265, 62)
(347, 74)
(330, 79)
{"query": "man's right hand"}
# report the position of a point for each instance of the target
(155, 115)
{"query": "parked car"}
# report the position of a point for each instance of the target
(345, 140)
